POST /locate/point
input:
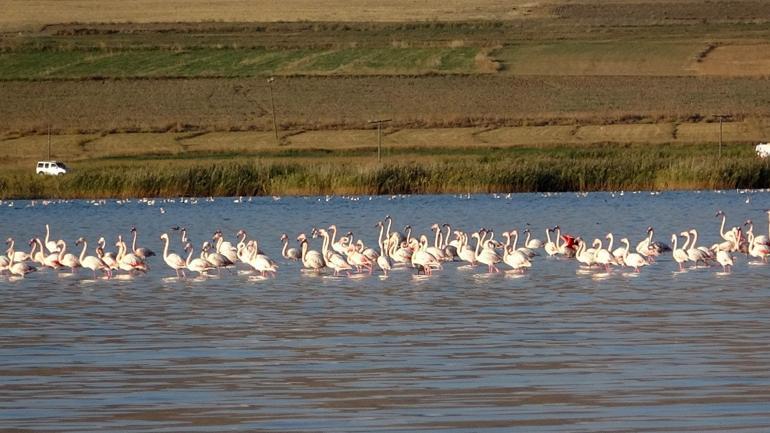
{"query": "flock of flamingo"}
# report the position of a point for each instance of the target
(346, 255)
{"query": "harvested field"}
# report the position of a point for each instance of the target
(736, 60)
(25, 14)
(665, 12)
(634, 58)
(21, 152)
(349, 102)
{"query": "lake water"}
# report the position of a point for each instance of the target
(558, 349)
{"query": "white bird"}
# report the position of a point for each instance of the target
(633, 260)
(198, 265)
(603, 256)
(259, 261)
(129, 262)
(550, 247)
(680, 254)
(48, 260)
(465, 251)
(172, 259)
(422, 260)
(107, 257)
(584, 255)
(732, 235)
(337, 245)
(92, 262)
(532, 244)
(215, 259)
(311, 259)
(289, 253)
(436, 250)
(67, 259)
(50, 245)
(141, 252)
(693, 254)
(724, 259)
(334, 260)
(512, 257)
(225, 248)
(358, 259)
(383, 261)
(487, 255)
(19, 269)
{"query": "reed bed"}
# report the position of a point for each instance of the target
(591, 170)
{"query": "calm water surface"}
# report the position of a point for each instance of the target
(557, 350)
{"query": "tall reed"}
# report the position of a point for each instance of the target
(560, 171)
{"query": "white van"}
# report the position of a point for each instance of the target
(54, 168)
(763, 150)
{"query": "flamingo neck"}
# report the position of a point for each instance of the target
(165, 247)
(83, 252)
(722, 227)
(325, 244)
(686, 244)
(612, 240)
(189, 257)
(334, 234)
(379, 240)
(133, 242)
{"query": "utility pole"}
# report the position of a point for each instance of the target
(272, 105)
(379, 123)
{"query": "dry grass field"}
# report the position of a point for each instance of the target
(78, 149)
(25, 14)
(348, 103)
(736, 60)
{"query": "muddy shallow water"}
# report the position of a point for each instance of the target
(559, 348)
